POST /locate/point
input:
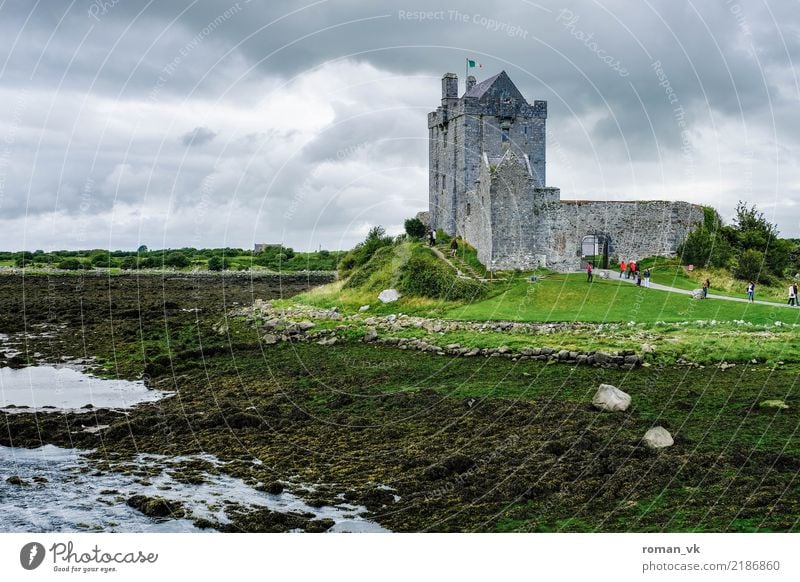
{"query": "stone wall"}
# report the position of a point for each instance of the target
(635, 229)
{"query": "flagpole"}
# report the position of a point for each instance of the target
(466, 72)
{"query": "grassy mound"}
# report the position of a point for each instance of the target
(427, 284)
(425, 275)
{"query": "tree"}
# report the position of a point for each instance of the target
(750, 266)
(177, 260)
(23, 259)
(71, 265)
(753, 231)
(129, 263)
(142, 249)
(414, 228)
(101, 260)
(215, 263)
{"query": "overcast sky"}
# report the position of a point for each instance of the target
(211, 123)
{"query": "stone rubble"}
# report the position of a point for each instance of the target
(297, 324)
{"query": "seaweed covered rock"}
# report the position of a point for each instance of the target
(156, 506)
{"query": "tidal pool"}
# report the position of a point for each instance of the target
(54, 489)
(49, 388)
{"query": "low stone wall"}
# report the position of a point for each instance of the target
(297, 324)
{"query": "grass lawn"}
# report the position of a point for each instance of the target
(722, 283)
(567, 297)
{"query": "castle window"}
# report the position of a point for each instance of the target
(504, 136)
(468, 208)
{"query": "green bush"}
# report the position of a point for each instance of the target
(73, 265)
(177, 260)
(751, 266)
(414, 228)
(442, 237)
(129, 263)
(215, 263)
(363, 251)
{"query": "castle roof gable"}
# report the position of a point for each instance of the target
(499, 86)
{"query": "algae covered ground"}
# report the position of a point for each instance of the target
(424, 440)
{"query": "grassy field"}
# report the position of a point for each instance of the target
(722, 283)
(568, 297)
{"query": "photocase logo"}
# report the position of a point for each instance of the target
(31, 555)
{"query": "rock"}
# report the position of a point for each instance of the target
(648, 348)
(306, 325)
(779, 404)
(270, 339)
(601, 357)
(16, 480)
(156, 506)
(657, 438)
(389, 295)
(503, 350)
(273, 488)
(371, 335)
(611, 398)
(633, 360)
(363, 308)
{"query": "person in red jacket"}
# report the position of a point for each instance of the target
(622, 268)
(588, 272)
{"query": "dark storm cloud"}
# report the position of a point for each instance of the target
(314, 104)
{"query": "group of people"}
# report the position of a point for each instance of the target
(630, 270)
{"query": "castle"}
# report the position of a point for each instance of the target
(487, 164)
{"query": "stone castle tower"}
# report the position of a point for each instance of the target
(487, 156)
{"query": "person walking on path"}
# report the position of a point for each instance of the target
(751, 291)
(622, 268)
(638, 279)
(453, 247)
(796, 296)
(792, 296)
(588, 272)
(431, 239)
(647, 277)
(629, 274)
(706, 285)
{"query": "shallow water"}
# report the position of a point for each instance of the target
(75, 499)
(68, 388)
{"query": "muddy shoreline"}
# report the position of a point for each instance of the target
(425, 443)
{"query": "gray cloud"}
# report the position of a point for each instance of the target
(198, 136)
(323, 109)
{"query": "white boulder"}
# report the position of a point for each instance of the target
(611, 398)
(389, 295)
(658, 438)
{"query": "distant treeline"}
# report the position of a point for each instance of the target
(273, 257)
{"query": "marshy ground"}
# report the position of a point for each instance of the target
(425, 442)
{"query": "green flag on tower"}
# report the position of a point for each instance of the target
(471, 63)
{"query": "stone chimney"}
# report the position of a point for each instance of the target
(470, 82)
(449, 89)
